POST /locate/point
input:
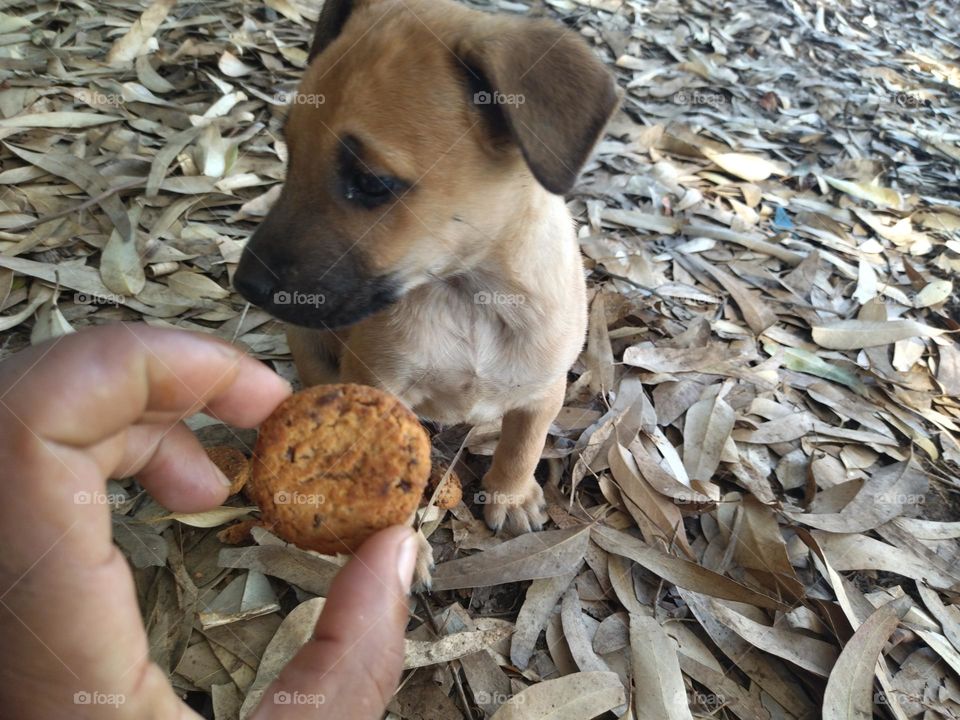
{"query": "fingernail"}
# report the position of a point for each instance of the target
(407, 561)
(221, 477)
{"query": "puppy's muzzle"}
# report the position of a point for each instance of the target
(320, 293)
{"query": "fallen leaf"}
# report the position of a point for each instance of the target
(677, 571)
(883, 497)
(541, 598)
(85, 176)
(194, 285)
(880, 196)
(129, 45)
(751, 168)
(580, 696)
(659, 691)
(856, 334)
(530, 556)
(705, 431)
(849, 693)
(209, 518)
(934, 293)
(297, 628)
(859, 552)
(61, 119)
(421, 653)
(575, 632)
(289, 563)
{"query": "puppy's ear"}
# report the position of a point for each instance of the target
(332, 18)
(550, 91)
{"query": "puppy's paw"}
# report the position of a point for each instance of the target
(516, 512)
(423, 571)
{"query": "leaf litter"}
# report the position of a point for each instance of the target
(753, 483)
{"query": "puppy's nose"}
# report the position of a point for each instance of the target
(255, 282)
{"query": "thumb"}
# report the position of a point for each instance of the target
(351, 666)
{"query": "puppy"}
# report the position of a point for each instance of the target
(420, 243)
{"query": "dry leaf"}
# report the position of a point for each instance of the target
(815, 656)
(880, 196)
(859, 552)
(580, 696)
(527, 557)
(885, 495)
(194, 285)
(129, 46)
(210, 518)
(659, 691)
(62, 119)
(541, 598)
(576, 634)
(751, 168)
(849, 694)
(934, 293)
(289, 563)
(705, 432)
(450, 647)
(85, 176)
(856, 334)
(679, 572)
(296, 629)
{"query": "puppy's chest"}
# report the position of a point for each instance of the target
(464, 383)
(465, 367)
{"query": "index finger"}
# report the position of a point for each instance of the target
(83, 388)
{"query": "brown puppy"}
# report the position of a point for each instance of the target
(420, 243)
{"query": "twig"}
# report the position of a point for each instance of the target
(78, 208)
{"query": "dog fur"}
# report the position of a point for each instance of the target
(463, 291)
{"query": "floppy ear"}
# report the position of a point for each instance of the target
(332, 18)
(553, 93)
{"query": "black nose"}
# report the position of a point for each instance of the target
(255, 281)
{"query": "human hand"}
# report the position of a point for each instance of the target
(109, 402)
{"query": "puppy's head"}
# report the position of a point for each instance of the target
(418, 129)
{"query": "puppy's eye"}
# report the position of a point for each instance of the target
(371, 190)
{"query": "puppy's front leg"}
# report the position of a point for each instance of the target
(514, 499)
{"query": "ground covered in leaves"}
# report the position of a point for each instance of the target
(752, 486)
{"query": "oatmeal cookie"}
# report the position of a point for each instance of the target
(336, 463)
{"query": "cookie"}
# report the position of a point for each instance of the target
(232, 463)
(336, 463)
(451, 489)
